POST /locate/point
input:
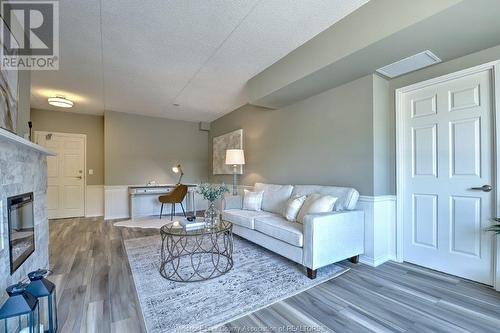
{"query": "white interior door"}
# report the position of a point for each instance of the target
(448, 156)
(66, 174)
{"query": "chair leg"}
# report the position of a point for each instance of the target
(161, 210)
(183, 211)
(174, 211)
(171, 212)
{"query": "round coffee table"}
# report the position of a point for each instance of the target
(196, 255)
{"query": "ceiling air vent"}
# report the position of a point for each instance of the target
(410, 64)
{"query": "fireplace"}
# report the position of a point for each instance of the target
(21, 229)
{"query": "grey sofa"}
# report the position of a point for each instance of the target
(321, 240)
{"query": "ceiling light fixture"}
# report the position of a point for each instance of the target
(60, 101)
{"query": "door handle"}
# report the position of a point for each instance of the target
(79, 177)
(484, 188)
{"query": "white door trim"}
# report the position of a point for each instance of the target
(494, 68)
(75, 135)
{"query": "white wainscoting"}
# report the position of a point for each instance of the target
(380, 228)
(117, 204)
(94, 205)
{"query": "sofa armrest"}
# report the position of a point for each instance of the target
(332, 237)
(232, 202)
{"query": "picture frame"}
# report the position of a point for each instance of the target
(231, 140)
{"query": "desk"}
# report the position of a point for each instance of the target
(154, 191)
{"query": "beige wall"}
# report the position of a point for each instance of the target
(66, 122)
(139, 149)
(327, 139)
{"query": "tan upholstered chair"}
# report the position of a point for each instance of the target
(176, 196)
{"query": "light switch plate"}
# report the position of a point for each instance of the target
(91, 171)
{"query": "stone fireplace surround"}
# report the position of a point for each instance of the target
(23, 168)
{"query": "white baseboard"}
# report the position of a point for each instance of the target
(380, 228)
(94, 201)
(374, 262)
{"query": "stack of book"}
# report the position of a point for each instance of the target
(192, 225)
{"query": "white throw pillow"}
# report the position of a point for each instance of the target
(275, 196)
(316, 203)
(292, 207)
(252, 200)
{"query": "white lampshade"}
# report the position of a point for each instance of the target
(235, 157)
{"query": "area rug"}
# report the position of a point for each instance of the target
(259, 278)
(144, 223)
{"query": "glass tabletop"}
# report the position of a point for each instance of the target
(175, 228)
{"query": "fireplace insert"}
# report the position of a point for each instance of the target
(21, 229)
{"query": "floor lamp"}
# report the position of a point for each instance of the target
(235, 157)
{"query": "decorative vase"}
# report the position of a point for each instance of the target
(212, 215)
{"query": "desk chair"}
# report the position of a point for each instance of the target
(176, 196)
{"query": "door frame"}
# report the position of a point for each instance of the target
(494, 69)
(75, 135)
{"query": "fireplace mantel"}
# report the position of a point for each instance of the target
(6, 135)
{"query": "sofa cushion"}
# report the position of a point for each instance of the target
(347, 196)
(279, 228)
(275, 196)
(243, 218)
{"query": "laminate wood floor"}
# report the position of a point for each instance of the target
(96, 293)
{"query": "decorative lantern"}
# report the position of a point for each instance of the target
(20, 312)
(45, 291)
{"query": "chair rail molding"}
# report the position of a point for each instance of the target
(380, 228)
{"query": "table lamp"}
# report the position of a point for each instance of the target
(178, 169)
(235, 157)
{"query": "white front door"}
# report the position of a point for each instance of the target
(448, 156)
(66, 174)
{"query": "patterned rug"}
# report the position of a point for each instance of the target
(259, 278)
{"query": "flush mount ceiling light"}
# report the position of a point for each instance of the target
(60, 101)
(410, 64)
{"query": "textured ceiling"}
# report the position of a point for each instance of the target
(150, 55)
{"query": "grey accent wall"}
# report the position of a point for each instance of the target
(138, 149)
(91, 125)
(327, 139)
